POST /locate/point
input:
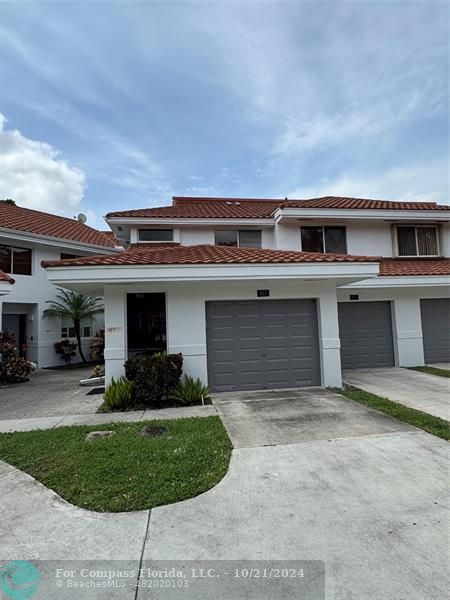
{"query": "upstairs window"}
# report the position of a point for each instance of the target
(329, 240)
(243, 238)
(156, 235)
(417, 241)
(15, 260)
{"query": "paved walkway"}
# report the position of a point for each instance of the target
(428, 393)
(100, 419)
(371, 505)
(49, 393)
(441, 365)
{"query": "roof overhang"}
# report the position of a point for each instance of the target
(286, 214)
(34, 238)
(403, 281)
(90, 276)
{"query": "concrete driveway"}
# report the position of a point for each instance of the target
(428, 393)
(441, 365)
(48, 393)
(270, 418)
(369, 500)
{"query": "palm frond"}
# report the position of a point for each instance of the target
(72, 305)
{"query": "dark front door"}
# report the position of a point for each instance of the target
(265, 344)
(146, 323)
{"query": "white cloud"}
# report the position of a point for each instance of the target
(417, 183)
(35, 175)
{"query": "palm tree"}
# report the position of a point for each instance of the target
(71, 305)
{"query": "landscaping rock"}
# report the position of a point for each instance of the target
(153, 431)
(94, 435)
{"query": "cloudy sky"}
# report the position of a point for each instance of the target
(113, 105)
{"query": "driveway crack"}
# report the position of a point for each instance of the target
(147, 526)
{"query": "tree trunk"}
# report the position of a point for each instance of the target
(77, 326)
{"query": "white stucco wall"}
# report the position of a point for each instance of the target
(374, 238)
(195, 236)
(28, 296)
(369, 239)
(186, 320)
(287, 236)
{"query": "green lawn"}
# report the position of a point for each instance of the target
(434, 425)
(432, 371)
(125, 471)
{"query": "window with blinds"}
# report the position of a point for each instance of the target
(417, 241)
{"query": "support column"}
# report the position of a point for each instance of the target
(186, 329)
(330, 344)
(115, 332)
(408, 339)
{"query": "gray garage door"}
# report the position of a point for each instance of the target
(436, 329)
(263, 344)
(366, 335)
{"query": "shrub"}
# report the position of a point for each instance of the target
(98, 371)
(67, 349)
(191, 391)
(118, 395)
(13, 368)
(98, 346)
(154, 377)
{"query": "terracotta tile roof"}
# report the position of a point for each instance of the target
(41, 223)
(5, 277)
(144, 254)
(112, 236)
(362, 204)
(207, 208)
(413, 267)
(262, 208)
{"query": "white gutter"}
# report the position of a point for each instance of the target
(402, 282)
(32, 238)
(269, 222)
(411, 215)
(213, 272)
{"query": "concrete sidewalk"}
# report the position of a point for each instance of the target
(10, 425)
(372, 506)
(352, 503)
(428, 393)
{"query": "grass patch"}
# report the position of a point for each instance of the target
(431, 371)
(124, 472)
(435, 425)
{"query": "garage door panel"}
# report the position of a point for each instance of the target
(435, 313)
(274, 344)
(365, 330)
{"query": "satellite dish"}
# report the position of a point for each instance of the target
(82, 218)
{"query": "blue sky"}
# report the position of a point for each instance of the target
(114, 105)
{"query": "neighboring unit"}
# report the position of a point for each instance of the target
(260, 293)
(27, 237)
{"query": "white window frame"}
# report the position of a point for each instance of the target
(11, 261)
(323, 236)
(155, 241)
(416, 227)
(238, 237)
